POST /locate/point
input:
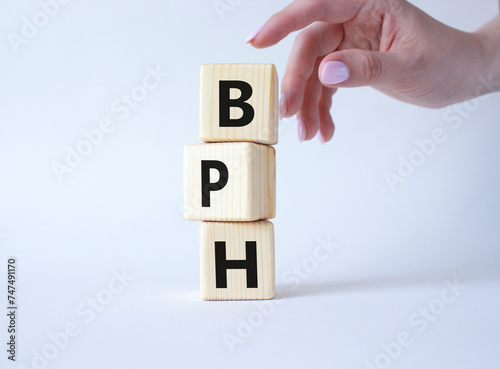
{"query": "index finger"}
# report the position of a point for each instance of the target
(302, 13)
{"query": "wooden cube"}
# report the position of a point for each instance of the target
(237, 260)
(229, 182)
(239, 102)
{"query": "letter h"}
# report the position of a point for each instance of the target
(222, 264)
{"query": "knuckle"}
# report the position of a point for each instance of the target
(306, 38)
(371, 68)
(276, 25)
(320, 8)
(273, 22)
(301, 38)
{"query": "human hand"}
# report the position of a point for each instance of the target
(387, 44)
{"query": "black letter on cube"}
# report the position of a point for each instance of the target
(222, 265)
(225, 103)
(206, 185)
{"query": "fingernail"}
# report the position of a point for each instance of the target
(254, 34)
(282, 106)
(321, 137)
(334, 72)
(301, 129)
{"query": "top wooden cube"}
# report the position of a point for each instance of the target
(239, 102)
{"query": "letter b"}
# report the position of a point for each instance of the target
(225, 104)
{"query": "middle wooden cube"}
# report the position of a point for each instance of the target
(229, 182)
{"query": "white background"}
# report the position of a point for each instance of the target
(121, 207)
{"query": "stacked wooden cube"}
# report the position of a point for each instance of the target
(230, 181)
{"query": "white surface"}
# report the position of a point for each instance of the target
(121, 208)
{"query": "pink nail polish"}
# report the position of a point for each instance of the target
(282, 107)
(254, 34)
(321, 137)
(334, 72)
(301, 129)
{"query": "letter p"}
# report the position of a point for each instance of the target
(206, 185)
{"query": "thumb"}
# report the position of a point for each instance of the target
(354, 68)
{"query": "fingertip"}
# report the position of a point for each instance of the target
(301, 129)
(282, 106)
(333, 72)
(293, 88)
(310, 121)
(281, 24)
(327, 127)
(321, 137)
(254, 34)
(267, 36)
(328, 133)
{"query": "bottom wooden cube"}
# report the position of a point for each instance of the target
(237, 260)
